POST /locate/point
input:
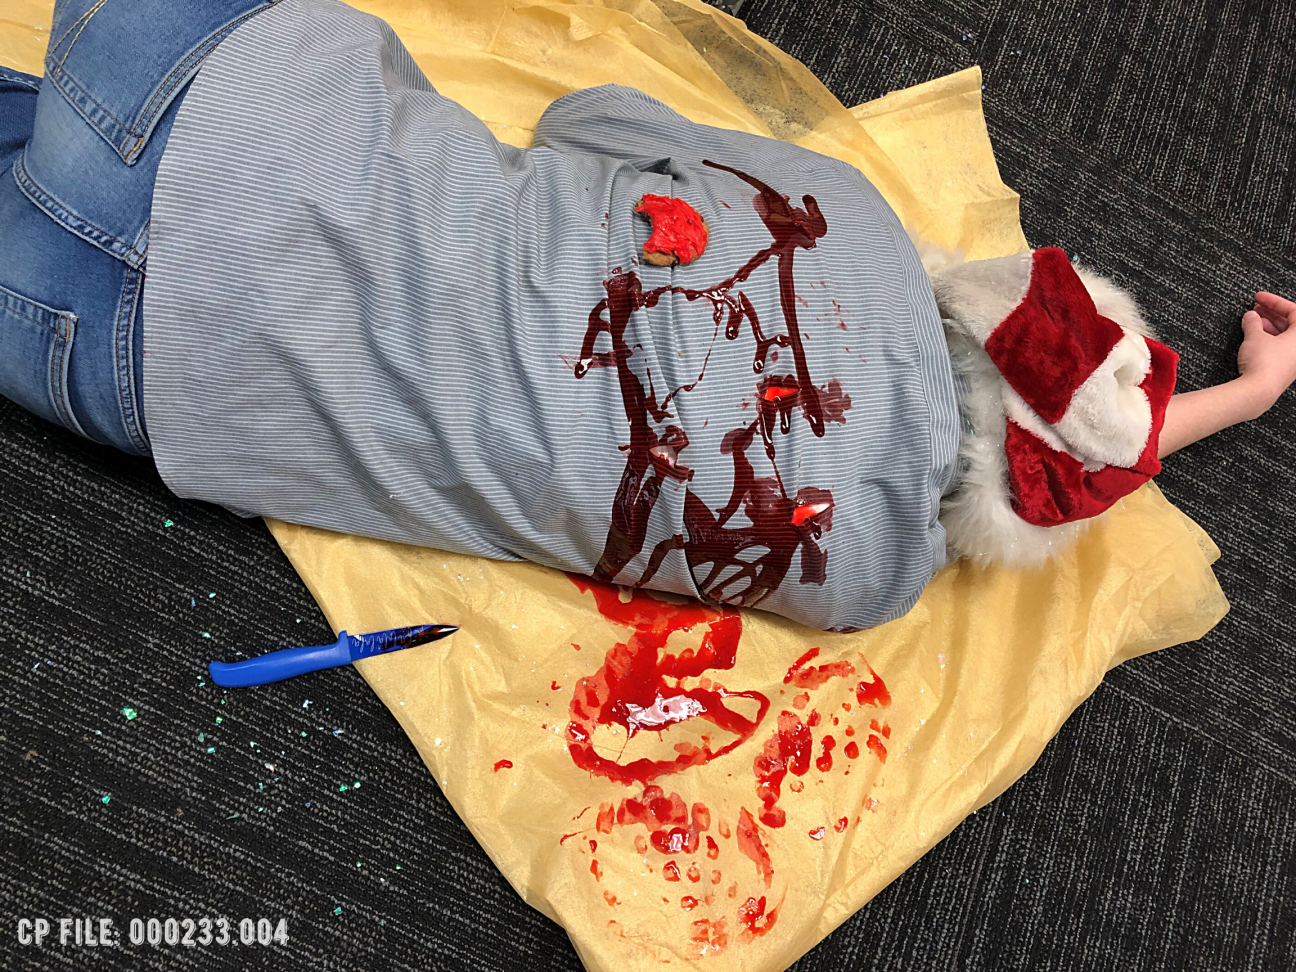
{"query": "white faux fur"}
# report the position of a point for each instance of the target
(978, 517)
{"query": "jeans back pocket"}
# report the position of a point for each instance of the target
(35, 347)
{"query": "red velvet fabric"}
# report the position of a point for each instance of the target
(1050, 488)
(1054, 339)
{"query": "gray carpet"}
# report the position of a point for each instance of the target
(1152, 140)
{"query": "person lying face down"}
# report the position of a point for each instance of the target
(645, 350)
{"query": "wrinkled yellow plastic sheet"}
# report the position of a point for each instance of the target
(946, 707)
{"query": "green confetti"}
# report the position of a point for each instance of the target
(202, 737)
(343, 788)
(206, 634)
(252, 742)
(398, 867)
(231, 816)
(212, 594)
(129, 713)
(106, 797)
(359, 864)
(337, 910)
(356, 784)
(219, 720)
(211, 749)
(167, 523)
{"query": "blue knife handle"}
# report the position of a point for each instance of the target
(278, 665)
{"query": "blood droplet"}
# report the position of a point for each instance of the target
(852, 750)
(503, 764)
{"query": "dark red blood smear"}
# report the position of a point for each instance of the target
(671, 871)
(503, 764)
(688, 902)
(596, 870)
(841, 825)
(749, 842)
(677, 229)
(667, 818)
(788, 749)
(824, 762)
(879, 750)
(746, 563)
(812, 677)
(694, 874)
(631, 688)
(874, 692)
(713, 849)
(752, 915)
(852, 750)
(593, 844)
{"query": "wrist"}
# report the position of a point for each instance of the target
(1257, 394)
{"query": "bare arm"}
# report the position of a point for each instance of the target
(1266, 367)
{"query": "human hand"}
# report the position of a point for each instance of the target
(1267, 358)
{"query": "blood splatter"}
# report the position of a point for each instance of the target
(817, 833)
(596, 870)
(875, 745)
(593, 845)
(688, 902)
(825, 761)
(713, 849)
(715, 876)
(610, 898)
(671, 871)
(503, 764)
(801, 700)
(841, 825)
(749, 842)
(787, 749)
(554, 685)
(812, 677)
(710, 937)
(694, 874)
(753, 916)
(874, 692)
(671, 830)
(883, 728)
(606, 816)
(852, 750)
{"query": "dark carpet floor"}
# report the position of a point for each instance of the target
(1153, 140)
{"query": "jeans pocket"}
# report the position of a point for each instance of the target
(35, 347)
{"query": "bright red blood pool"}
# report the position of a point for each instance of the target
(852, 750)
(503, 764)
(631, 688)
(677, 229)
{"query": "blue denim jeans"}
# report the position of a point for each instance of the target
(79, 151)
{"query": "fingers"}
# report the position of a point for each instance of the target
(1279, 305)
(1273, 323)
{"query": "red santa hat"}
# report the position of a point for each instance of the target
(1066, 396)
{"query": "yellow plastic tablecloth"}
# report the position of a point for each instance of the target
(946, 707)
